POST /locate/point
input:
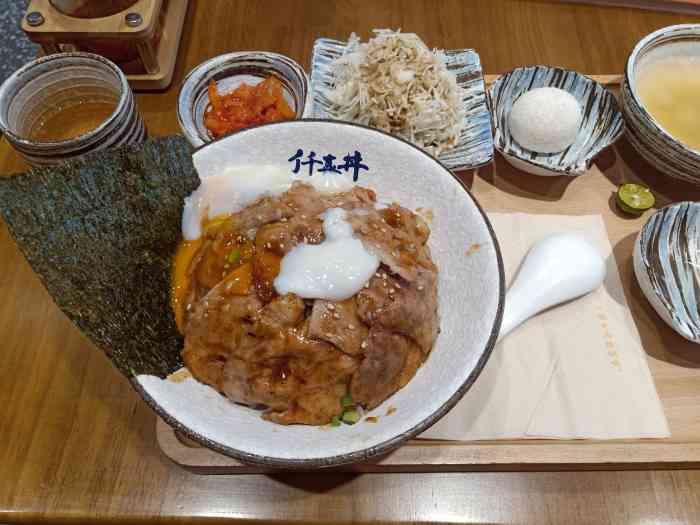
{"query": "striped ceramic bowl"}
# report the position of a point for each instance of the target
(667, 266)
(600, 127)
(475, 146)
(33, 93)
(653, 143)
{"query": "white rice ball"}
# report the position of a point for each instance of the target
(545, 120)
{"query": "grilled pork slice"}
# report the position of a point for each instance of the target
(215, 328)
(281, 237)
(272, 242)
(390, 363)
(299, 379)
(408, 308)
(339, 324)
(301, 200)
(397, 237)
(282, 312)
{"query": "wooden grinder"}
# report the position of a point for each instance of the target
(141, 36)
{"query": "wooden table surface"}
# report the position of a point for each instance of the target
(77, 444)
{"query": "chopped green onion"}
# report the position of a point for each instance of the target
(351, 417)
(234, 256)
(347, 401)
(335, 422)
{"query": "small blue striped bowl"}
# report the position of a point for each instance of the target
(600, 127)
(667, 266)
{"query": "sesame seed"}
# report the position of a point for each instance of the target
(367, 284)
(283, 219)
(397, 285)
(336, 315)
(330, 306)
(383, 230)
(395, 253)
(377, 274)
(268, 245)
(364, 344)
(420, 287)
(281, 246)
(303, 216)
(351, 326)
(259, 217)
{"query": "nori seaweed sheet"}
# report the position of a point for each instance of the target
(101, 233)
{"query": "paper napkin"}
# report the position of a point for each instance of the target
(575, 371)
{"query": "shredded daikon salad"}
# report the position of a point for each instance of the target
(396, 83)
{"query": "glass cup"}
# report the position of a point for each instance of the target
(69, 92)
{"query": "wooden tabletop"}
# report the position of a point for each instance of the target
(77, 444)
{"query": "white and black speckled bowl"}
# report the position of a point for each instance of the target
(600, 127)
(471, 296)
(667, 266)
(658, 147)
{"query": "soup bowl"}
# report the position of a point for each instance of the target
(644, 132)
(470, 302)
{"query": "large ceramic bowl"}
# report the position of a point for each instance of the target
(471, 294)
(647, 136)
(600, 127)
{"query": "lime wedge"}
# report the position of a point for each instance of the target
(351, 417)
(634, 198)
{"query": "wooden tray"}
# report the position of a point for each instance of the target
(674, 362)
(691, 7)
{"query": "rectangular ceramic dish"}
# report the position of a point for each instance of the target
(475, 146)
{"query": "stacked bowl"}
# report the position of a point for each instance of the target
(655, 144)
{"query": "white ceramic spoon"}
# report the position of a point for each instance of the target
(557, 269)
